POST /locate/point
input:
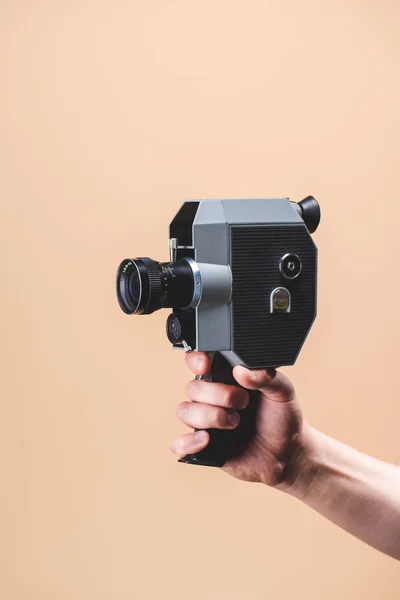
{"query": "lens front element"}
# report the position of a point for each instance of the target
(130, 287)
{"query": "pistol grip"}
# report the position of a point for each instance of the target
(226, 443)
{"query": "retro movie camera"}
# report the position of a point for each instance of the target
(241, 283)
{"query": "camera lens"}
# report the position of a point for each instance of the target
(290, 266)
(145, 285)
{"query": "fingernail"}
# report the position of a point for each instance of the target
(252, 374)
(200, 436)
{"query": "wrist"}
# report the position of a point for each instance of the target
(302, 468)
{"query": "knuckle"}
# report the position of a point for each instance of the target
(286, 386)
(232, 419)
(190, 388)
(234, 397)
(226, 397)
(182, 410)
(219, 418)
(291, 392)
(241, 398)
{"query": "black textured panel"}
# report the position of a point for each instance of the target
(260, 338)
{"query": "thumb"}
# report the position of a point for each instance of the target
(271, 383)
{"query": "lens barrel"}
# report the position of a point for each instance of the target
(145, 285)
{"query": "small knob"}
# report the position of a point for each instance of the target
(174, 329)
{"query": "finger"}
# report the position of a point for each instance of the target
(190, 443)
(274, 384)
(205, 416)
(198, 362)
(252, 379)
(218, 394)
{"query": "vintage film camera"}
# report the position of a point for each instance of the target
(241, 283)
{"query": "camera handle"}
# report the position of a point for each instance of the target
(225, 443)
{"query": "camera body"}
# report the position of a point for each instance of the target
(255, 269)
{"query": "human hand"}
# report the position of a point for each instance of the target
(272, 454)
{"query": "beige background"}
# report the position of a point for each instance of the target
(112, 114)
